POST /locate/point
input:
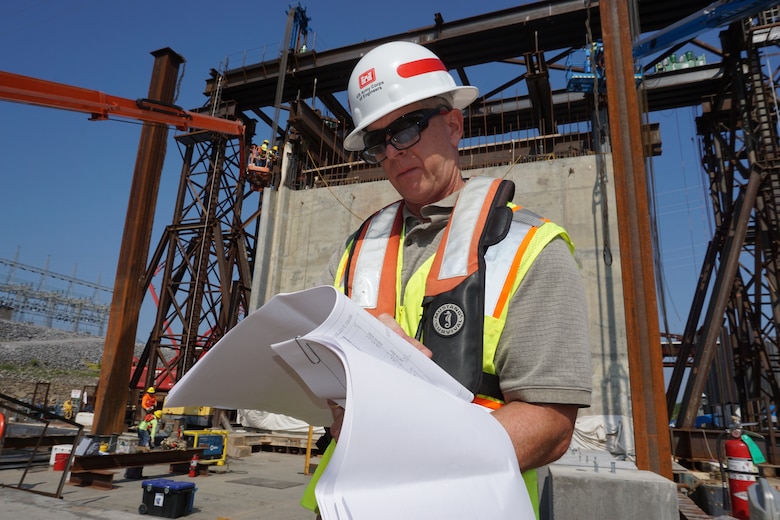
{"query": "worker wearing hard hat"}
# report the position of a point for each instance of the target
(273, 155)
(149, 401)
(154, 428)
(510, 325)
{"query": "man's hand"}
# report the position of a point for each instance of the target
(338, 412)
(338, 419)
(395, 327)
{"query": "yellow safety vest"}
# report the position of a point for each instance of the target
(375, 260)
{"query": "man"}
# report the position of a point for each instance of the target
(143, 430)
(154, 426)
(264, 153)
(149, 401)
(518, 339)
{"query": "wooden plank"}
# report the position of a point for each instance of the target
(689, 510)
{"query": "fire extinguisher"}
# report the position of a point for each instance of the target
(194, 466)
(742, 473)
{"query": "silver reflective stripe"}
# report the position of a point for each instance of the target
(464, 221)
(371, 259)
(498, 262)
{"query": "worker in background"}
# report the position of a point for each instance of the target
(517, 317)
(143, 429)
(253, 155)
(273, 156)
(154, 427)
(264, 153)
(148, 401)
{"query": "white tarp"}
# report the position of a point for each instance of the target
(275, 422)
(612, 433)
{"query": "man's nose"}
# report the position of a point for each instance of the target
(391, 151)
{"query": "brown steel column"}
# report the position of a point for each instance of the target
(648, 399)
(112, 392)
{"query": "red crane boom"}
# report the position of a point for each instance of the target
(101, 106)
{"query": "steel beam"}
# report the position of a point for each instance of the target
(651, 431)
(112, 392)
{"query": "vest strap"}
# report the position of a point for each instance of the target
(454, 305)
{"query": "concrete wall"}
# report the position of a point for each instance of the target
(300, 229)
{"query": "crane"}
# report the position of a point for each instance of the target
(718, 14)
(101, 106)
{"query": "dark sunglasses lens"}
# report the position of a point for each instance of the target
(374, 138)
(406, 137)
(374, 154)
(404, 133)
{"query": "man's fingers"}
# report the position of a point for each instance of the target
(395, 327)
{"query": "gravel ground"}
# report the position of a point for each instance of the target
(30, 354)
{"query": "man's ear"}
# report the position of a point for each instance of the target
(454, 119)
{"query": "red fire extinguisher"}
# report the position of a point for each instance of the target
(194, 466)
(742, 474)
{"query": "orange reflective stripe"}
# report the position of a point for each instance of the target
(487, 403)
(510, 281)
(373, 286)
(387, 286)
(435, 284)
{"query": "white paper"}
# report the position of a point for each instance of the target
(412, 444)
(242, 371)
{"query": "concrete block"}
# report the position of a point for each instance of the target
(237, 452)
(236, 439)
(582, 493)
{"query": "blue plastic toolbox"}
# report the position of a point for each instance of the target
(167, 498)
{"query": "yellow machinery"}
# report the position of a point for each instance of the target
(214, 443)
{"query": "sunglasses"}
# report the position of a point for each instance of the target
(402, 133)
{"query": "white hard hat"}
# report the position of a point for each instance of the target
(394, 75)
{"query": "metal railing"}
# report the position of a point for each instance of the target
(28, 434)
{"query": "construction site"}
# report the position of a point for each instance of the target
(267, 189)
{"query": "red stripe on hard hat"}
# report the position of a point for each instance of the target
(415, 68)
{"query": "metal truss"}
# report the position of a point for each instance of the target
(204, 259)
(734, 347)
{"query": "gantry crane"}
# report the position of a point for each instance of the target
(221, 134)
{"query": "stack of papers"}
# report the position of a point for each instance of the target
(412, 444)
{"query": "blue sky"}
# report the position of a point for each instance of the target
(65, 180)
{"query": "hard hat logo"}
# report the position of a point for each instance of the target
(367, 77)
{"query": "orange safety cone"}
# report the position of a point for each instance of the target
(194, 466)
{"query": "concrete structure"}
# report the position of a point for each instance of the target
(597, 491)
(300, 229)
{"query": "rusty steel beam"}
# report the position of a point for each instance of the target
(651, 428)
(312, 127)
(112, 393)
(134, 460)
(101, 106)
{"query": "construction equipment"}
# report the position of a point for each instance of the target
(101, 106)
(593, 78)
